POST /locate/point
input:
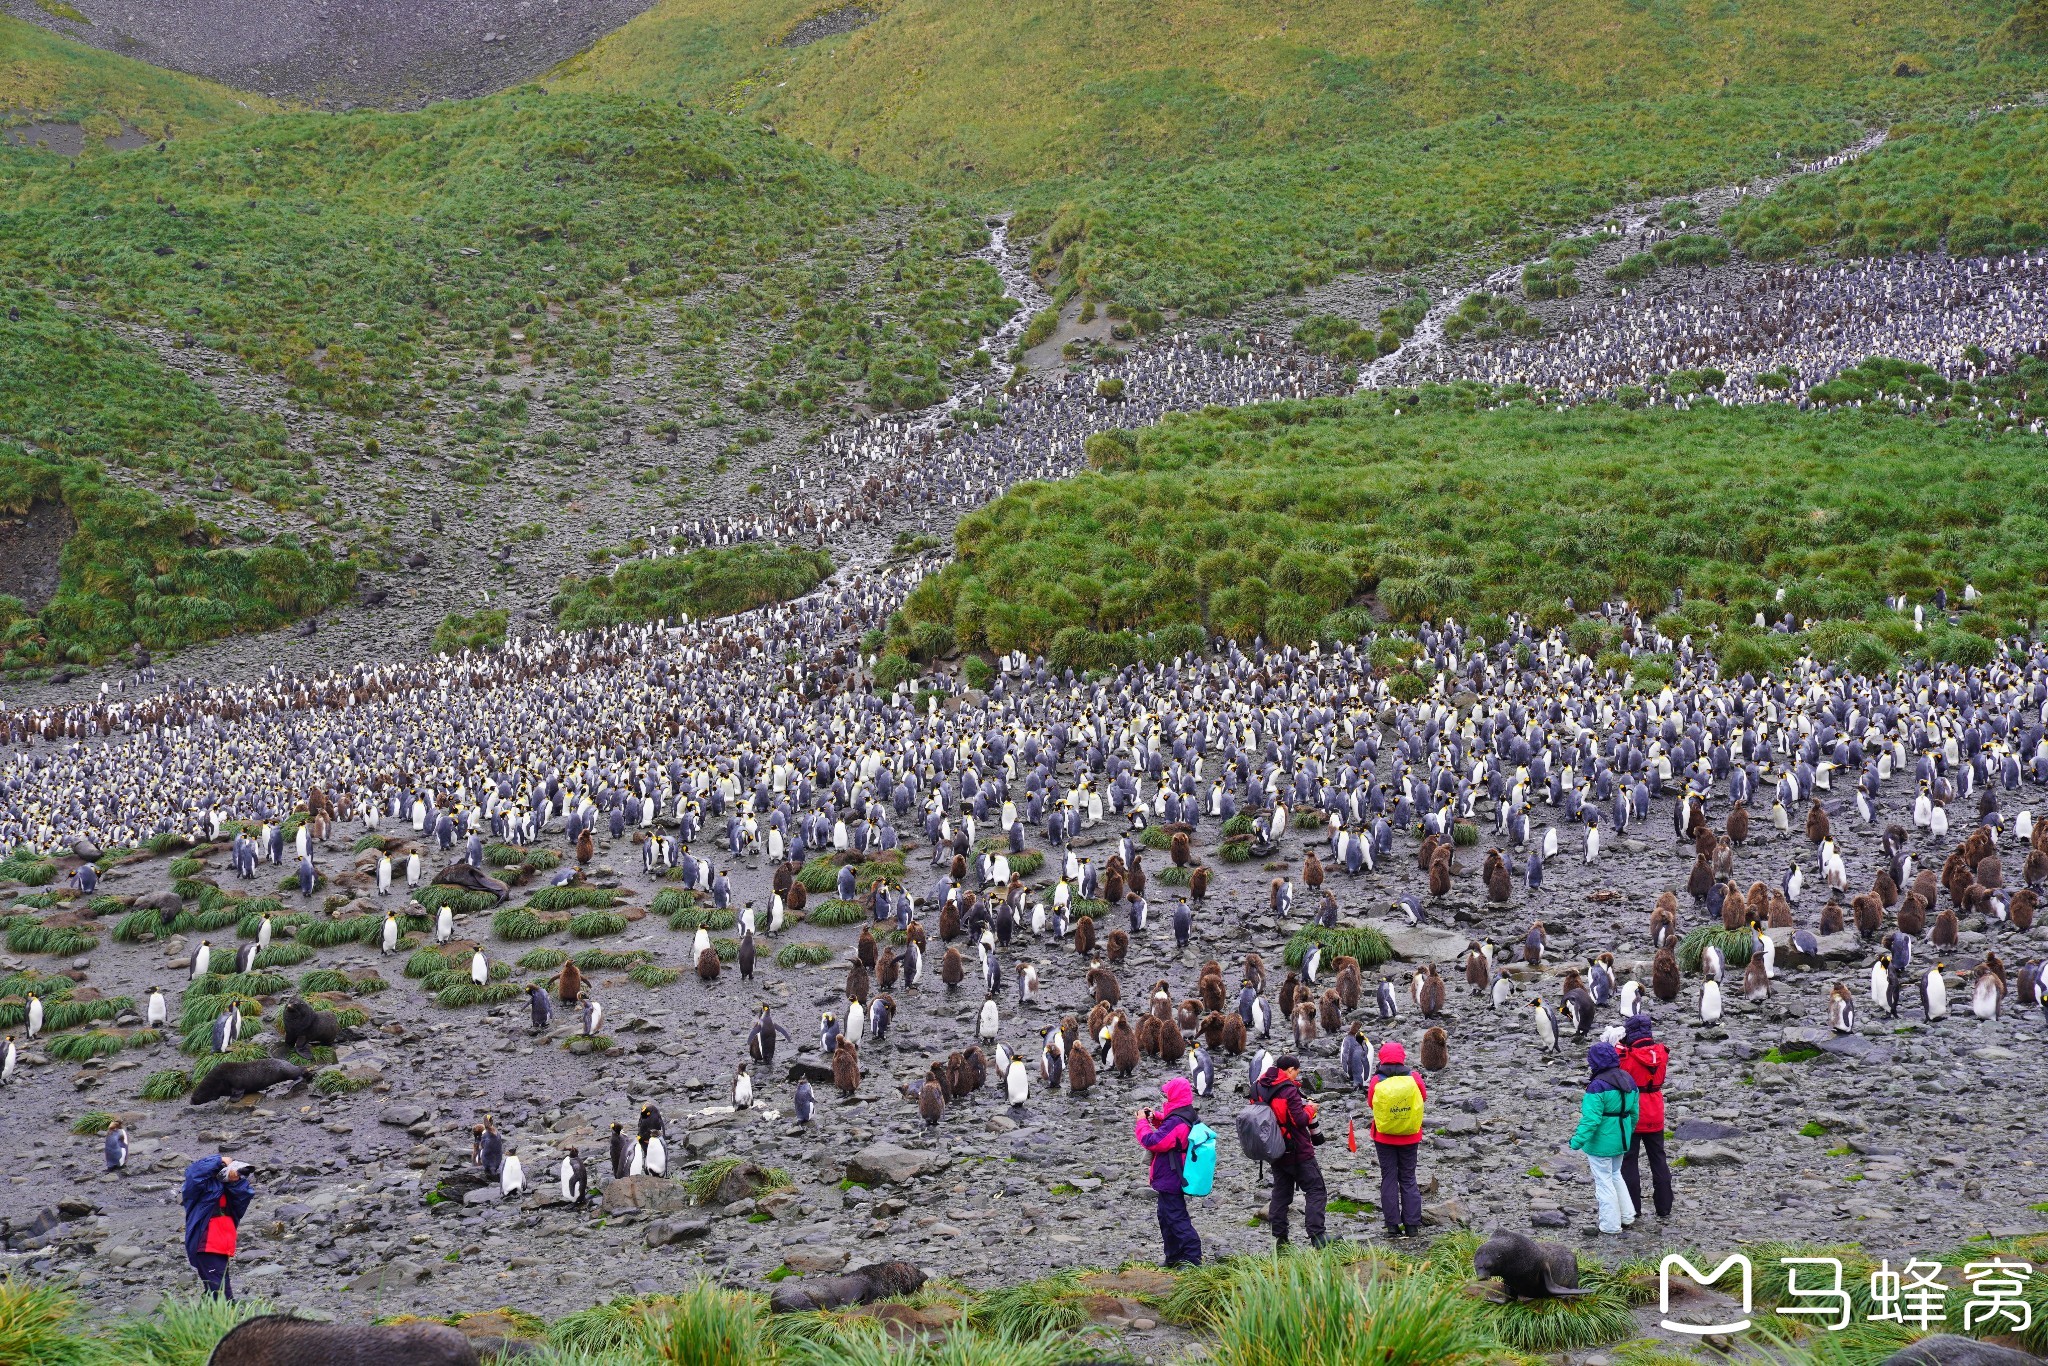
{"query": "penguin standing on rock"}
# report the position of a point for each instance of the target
(620, 1150)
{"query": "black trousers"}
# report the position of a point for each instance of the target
(1400, 1196)
(1290, 1175)
(1177, 1231)
(1660, 1171)
(213, 1273)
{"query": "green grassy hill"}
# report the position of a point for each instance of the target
(989, 94)
(50, 77)
(1294, 521)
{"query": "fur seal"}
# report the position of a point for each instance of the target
(1528, 1270)
(238, 1079)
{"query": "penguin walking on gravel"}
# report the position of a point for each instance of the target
(511, 1176)
(538, 1003)
(1352, 1056)
(156, 1014)
(116, 1146)
(9, 1056)
(761, 1038)
(593, 1016)
(1201, 1070)
(1544, 1019)
(806, 1102)
(1933, 995)
(742, 1089)
(1841, 1010)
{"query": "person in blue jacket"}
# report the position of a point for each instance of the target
(216, 1196)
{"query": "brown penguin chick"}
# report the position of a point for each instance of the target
(1724, 860)
(1664, 976)
(1493, 861)
(1926, 886)
(1084, 936)
(569, 986)
(1663, 927)
(1436, 1050)
(1498, 888)
(1781, 912)
(1212, 993)
(1070, 1031)
(1946, 930)
(1831, 917)
(1734, 910)
(1756, 905)
(1136, 877)
(865, 949)
(1816, 823)
(1187, 1017)
(1703, 840)
(846, 1066)
(1198, 883)
(1869, 914)
(1476, 975)
(1426, 854)
(1117, 946)
(1172, 1046)
(707, 966)
(1955, 879)
(1161, 1002)
(1123, 1046)
(916, 935)
(888, 970)
(1312, 872)
(1179, 851)
(2020, 910)
(1276, 893)
(2034, 871)
(957, 870)
(1304, 1023)
(1233, 1040)
(1113, 887)
(797, 898)
(954, 1071)
(952, 969)
(1913, 915)
(1978, 845)
(586, 848)
(1991, 871)
(1212, 1029)
(1532, 951)
(1884, 889)
(858, 987)
(1667, 900)
(931, 1102)
(1570, 982)
(783, 879)
(1080, 1070)
(1440, 879)
(1700, 880)
(1290, 989)
(1255, 971)
(1738, 824)
(1148, 1036)
(2037, 840)
(1349, 988)
(1432, 1002)
(974, 1068)
(949, 922)
(1331, 1013)
(1756, 982)
(1978, 900)
(1103, 983)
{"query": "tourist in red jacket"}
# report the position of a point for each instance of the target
(1644, 1059)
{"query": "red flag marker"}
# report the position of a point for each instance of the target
(1351, 1134)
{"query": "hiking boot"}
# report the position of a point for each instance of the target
(1411, 1230)
(1318, 1240)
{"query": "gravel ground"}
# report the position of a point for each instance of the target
(1923, 1146)
(343, 53)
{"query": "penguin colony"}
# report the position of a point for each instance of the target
(1091, 777)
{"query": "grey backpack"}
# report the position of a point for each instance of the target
(1258, 1133)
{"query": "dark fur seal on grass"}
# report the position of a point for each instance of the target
(1528, 1270)
(284, 1340)
(238, 1079)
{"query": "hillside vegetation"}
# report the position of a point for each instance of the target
(705, 583)
(1968, 186)
(76, 406)
(52, 78)
(987, 94)
(351, 253)
(1300, 521)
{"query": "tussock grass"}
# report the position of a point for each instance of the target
(1735, 946)
(425, 962)
(283, 954)
(542, 960)
(321, 980)
(518, 922)
(334, 1082)
(92, 1122)
(832, 912)
(606, 960)
(703, 1183)
(357, 929)
(1315, 1310)
(714, 582)
(1054, 1304)
(168, 1084)
(180, 1331)
(369, 840)
(239, 983)
(100, 1043)
(36, 1325)
(669, 900)
(1174, 876)
(34, 936)
(467, 993)
(803, 955)
(820, 875)
(460, 900)
(569, 898)
(1363, 942)
(138, 927)
(592, 924)
(652, 975)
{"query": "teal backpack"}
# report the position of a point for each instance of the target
(1198, 1171)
